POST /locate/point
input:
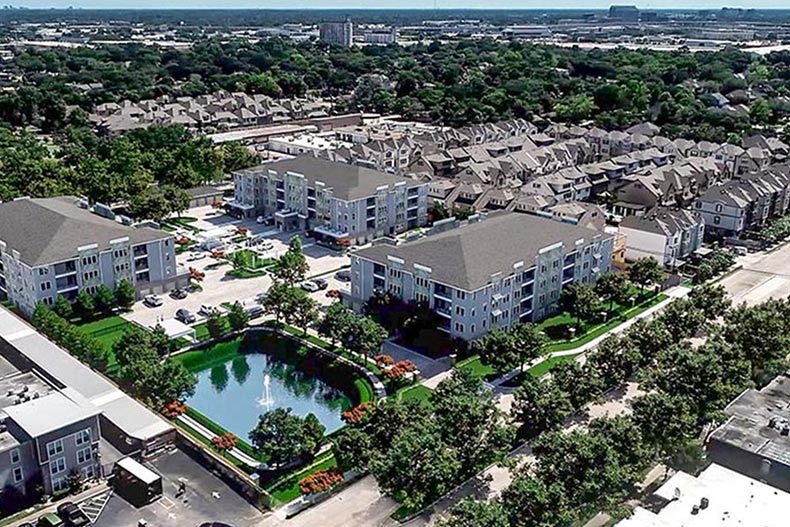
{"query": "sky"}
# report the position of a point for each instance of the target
(397, 4)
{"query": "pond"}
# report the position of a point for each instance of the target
(233, 394)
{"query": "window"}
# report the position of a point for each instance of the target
(54, 447)
(459, 328)
(460, 295)
(46, 286)
(716, 220)
(84, 455)
(60, 484)
(459, 310)
(57, 466)
(719, 207)
(15, 456)
(87, 472)
(19, 475)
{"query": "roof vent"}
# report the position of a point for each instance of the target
(703, 503)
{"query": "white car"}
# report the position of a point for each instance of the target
(260, 219)
(196, 256)
(206, 310)
(152, 301)
(310, 286)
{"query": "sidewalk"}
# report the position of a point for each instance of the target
(209, 435)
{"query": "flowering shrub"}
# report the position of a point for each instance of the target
(173, 409)
(384, 360)
(407, 365)
(357, 414)
(225, 442)
(321, 481)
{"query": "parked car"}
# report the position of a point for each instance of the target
(260, 219)
(73, 515)
(344, 275)
(196, 256)
(178, 294)
(26, 524)
(49, 520)
(152, 301)
(185, 316)
(206, 310)
(255, 311)
(310, 286)
(321, 283)
(261, 297)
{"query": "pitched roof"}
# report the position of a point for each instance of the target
(467, 256)
(348, 182)
(50, 230)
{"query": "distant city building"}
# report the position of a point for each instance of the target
(624, 12)
(493, 272)
(53, 246)
(381, 36)
(341, 33)
(338, 202)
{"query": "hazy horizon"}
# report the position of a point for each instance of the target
(387, 4)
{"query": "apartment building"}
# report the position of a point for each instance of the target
(746, 202)
(341, 33)
(668, 234)
(338, 203)
(55, 246)
(492, 271)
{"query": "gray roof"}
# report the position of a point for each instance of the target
(466, 257)
(348, 182)
(50, 230)
(52, 412)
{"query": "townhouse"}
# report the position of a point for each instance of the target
(669, 234)
(56, 246)
(338, 203)
(490, 272)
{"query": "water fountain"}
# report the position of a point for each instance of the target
(266, 398)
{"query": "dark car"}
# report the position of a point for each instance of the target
(178, 294)
(214, 524)
(255, 311)
(72, 515)
(321, 283)
(344, 275)
(25, 525)
(50, 520)
(185, 316)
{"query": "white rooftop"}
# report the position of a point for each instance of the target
(51, 412)
(733, 500)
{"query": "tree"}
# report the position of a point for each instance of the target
(540, 405)
(581, 384)
(104, 299)
(531, 502)
(645, 272)
(336, 322)
(505, 350)
(364, 336)
(581, 302)
(304, 311)
(292, 266)
(63, 307)
(352, 449)
(85, 305)
(666, 421)
(160, 382)
(134, 346)
(682, 318)
(612, 287)
(216, 326)
(281, 436)
(160, 342)
(710, 299)
(125, 294)
(237, 317)
(277, 299)
(471, 512)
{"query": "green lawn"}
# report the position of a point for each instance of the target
(201, 330)
(287, 489)
(251, 259)
(416, 392)
(184, 222)
(476, 366)
(107, 331)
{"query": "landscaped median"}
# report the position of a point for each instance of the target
(557, 345)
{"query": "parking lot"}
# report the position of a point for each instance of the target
(218, 287)
(207, 499)
(762, 276)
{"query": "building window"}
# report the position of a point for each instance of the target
(719, 207)
(716, 220)
(83, 456)
(57, 466)
(15, 456)
(46, 286)
(459, 310)
(460, 295)
(83, 436)
(87, 472)
(60, 484)
(19, 475)
(54, 447)
(459, 328)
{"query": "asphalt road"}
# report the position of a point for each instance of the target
(762, 276)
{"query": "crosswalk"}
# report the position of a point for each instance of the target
(94, 506)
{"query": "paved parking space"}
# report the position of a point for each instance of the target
(207, 499)
(762, 276)
(218, 288)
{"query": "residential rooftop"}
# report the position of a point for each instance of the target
(51, 230)
(348, 182)
(52, 412)
(466, 257)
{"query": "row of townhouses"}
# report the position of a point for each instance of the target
(57, 246)
(212, 112)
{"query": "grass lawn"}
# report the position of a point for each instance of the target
(201, 330)
(416, 392)
(184, 247)
(251, 259)
(246, 273)
(107, 331)
(184, 222)
(220, 353)
(476, 366)
(287, 489)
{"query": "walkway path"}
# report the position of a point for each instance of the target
(209, 435)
